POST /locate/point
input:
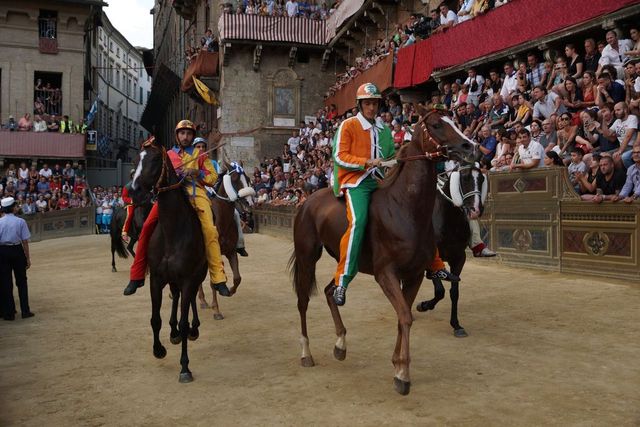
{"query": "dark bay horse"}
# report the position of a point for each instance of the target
(460, 195)
(399, 242)
(176, 250)
(234, 190)
(140, 213)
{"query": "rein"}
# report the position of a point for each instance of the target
(440, 151)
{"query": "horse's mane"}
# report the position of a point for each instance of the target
(394, 172)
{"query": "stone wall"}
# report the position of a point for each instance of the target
(246, 97)
(21, 56)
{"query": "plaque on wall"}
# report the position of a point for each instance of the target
(280, 121)
(242, 141)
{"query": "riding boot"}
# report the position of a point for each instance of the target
(242, 251)
(221, 288)
(340, 295)
(133, 286)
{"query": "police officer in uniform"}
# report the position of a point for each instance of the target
(14, 259)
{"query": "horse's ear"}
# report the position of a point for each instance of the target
(227, 165)
(422, 111)
(150, 141)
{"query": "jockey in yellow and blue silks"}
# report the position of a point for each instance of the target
(197, 172)
(359, 147)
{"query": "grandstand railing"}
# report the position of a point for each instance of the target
(42, 144)
(66, 223)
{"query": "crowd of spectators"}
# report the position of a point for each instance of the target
(45, 189)
(45, 123)
(47, 99)
(417, 27)
(580, 111)
(291, 8)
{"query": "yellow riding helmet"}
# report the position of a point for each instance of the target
(186, 124)
(368, 91)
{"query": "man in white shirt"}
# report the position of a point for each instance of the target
(475, 83)
(292, 8)
(448, 18)
(510, 81)
(45, 171)
(547, 104)
(530, 152)
(625, 129)
(293, 142)
(39, 125)
(614, 53)
(464, 14)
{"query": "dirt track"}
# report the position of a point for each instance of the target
(544, 348)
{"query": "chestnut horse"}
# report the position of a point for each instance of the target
(176, 254)
(461, 195)
(399, 242)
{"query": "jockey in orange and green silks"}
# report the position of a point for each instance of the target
(360, 145)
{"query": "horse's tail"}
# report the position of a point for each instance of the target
(303, 275)
(117, 244)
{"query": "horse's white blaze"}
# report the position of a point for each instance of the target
(458, 131)
(138, 170)
(304, 342)
(454, 188)
(341, 343)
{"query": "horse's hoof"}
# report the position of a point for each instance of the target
(159, 352)
(402, 387)
(194, 335)
(460, 333)
(113, 270)
(421, 307)
(186, 377)
(339, 354)
(175, 340)
(218, 316)
(307, 361)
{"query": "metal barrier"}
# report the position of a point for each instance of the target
(66, 223)
(535, 219)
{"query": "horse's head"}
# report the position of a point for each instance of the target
(150, 170)
(438, 134)
(237, 185)
(466, 187)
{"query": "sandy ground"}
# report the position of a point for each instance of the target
(543, 349)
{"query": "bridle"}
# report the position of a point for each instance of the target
(158, 188)
(446, 177)
(440, 152)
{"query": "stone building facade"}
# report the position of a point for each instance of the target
(121, 85)
(46, 41)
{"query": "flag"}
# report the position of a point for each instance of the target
(92, 112)
(205, 92)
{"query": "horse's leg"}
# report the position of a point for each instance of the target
(195, 323)
(401, 359)
(456, 268)
(235, 267)
(188, 294)
(202, 298)
(156, 321)
(174, 336)
(113, 259)
(217, 315)
(340, 349)
(438, 294)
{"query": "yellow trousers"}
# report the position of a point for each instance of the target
(202, 205)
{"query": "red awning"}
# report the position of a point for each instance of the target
(205, 64)
(380, 75)
(505, 27)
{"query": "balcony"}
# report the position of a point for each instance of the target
(48, 45)
(42, 144)
(280, 29)
(202, 66)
